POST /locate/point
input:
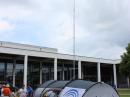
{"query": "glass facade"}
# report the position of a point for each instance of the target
(89, 71)
(2, 71)
(46, 65)
(38, 67)
(65, 70)
(19, 69)
(107, 73)
(9, 72)
(47, 71)
(7, 68)
(33, 76)
(6, 72)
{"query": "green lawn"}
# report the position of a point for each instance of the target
(124, 92)
(124, 95)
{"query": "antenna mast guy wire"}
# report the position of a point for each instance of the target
(74, 56)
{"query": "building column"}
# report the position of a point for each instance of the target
(25, 70)
(128, 81)
(63, 73)
(70, 70)
(5, 71)
(55, 69)
(115, 77)
(79, 70)
(14, 65)
(40, 72)
(99, 72)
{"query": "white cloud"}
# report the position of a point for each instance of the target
(102, 26)
(6, 30)
(5, 25)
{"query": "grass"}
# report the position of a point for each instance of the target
(124, 95)
(124, 92)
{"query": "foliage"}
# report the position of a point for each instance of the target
(125, 62)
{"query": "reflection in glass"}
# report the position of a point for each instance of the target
(47, 71)
(19, 75)
(89, 71)
(34, 74)
(2, 72)
(65, 72)
(9, 73)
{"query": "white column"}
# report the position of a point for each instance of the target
(55, 69)
(79, 69)
(14, 65)
(99, 71)
(114, 73)
(25, 70)
(70, 70)
(40, 72)
(128, 81)
(63, 72)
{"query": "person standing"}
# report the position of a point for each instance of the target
(29, 91)
(12, 94)
(22, 92)
(6, 90)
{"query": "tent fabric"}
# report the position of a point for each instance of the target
(39, 90)
(101, 90)
(47, 83)
(54, 86)
(75, 88)
(58, 84)
(81, 84)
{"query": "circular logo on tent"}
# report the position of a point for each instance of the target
(71, 93)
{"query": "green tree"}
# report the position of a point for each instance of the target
(124, 67)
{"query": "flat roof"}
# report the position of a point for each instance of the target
(27, 47)
(38, 51)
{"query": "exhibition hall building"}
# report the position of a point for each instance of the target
(21, 64)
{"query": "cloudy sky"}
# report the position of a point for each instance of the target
(102, 26)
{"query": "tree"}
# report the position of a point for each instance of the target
(124, 67)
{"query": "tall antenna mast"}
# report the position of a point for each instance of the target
(74, 57)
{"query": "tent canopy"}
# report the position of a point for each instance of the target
(75, 88)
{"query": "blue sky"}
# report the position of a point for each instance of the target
(102, 26)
